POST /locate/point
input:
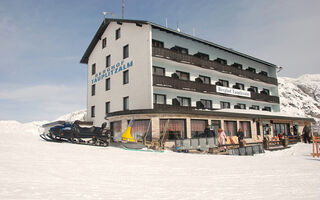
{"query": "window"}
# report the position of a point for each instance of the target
(207, 103)
(159, 99)
(107, 84)
(266, 91)
(251, 69)
(240, 86)
(104, 43)
(205, 79)
(221, 61)
(108, 61)
(125, 103)
(118, 33)
(93, 114)
(158, 71)
(107, 107)
(93, 90)
(241, 106)
(184, 101)
(202, 56)
(282, 128)
(197, 128)
(126, 77)
(255, 107)
(254, 89)
(156, 43)
(237, 65)
(246, 128)
(180, 50)
(224, 83)
(183, 75)
(230, 128)
(267, 108)
(141, 129)
(224, 104)
(258, 128)
(126, 51)
(173, 128)
(93, 68)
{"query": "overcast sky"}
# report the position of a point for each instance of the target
(42, 42)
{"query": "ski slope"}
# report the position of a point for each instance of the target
(34, 169)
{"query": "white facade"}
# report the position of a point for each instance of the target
(140, 64)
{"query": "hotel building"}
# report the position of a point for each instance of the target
(174, 84)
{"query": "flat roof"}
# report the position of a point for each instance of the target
(107, 21)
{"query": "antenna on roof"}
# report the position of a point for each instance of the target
(193, 31)
(122, 9)
(166, 22)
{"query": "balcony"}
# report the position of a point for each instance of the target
(208, 64)
(174, 83)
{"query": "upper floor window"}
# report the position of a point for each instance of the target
(125, 103)
(183, 75)
(221, 61)
(158, 71)
(93, 90)
(107, 107)
(255, 107)
(180, 49)
(93, 114)
(263, 73)
(108, 61)
(253, 89)
(240, 86)
(266, 108)
(118, 33)
(237, 65)
(224, 104)
(93, 68)
(240, 106)
(202, 56)
(184, 101)
(159, 98)
(266, 91)
(251, 69)
(107, 84)
(224, 83)
(104, 43)
(126, 77)
(126, 51)
(207, 103)
(205, 79)
(156, 43)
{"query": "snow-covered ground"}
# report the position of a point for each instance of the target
(31, 168)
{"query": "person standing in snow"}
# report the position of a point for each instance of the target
(222, 138)
(207, 131)
(240, 136)
(306, 134)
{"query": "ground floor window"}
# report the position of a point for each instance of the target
(197, 127)
(246, 128)
(281, 128)
(258, 128)
(230, 128)
(116, 130)
(266, 129)
(173, 129)
(141, 128)
(215, 125)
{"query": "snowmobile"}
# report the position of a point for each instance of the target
(62, 131)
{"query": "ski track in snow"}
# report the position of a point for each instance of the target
(31, 168)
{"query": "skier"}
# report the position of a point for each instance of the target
(306, 134)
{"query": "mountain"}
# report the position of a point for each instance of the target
(301, 96)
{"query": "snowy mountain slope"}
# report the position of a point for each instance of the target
(301, 96)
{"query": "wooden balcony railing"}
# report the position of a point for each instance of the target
(169, 82)
(208, 64)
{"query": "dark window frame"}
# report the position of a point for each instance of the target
(157, 43)
(225, 105)
(205, 104)
(118, 33)
(93, 90)
(108, 81)
(93, 69)
(181, 100)
(93, 112)
(204, 78)
(241, 86)
(104, 42)
(126, 103)
(242, 106)
(107, 107)
(266, 91)
(125, 77)
(155, 68)
(155, 98)
(255, 89)
(126, 51)
(181, 72)
(224, 81)
(108, 60)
